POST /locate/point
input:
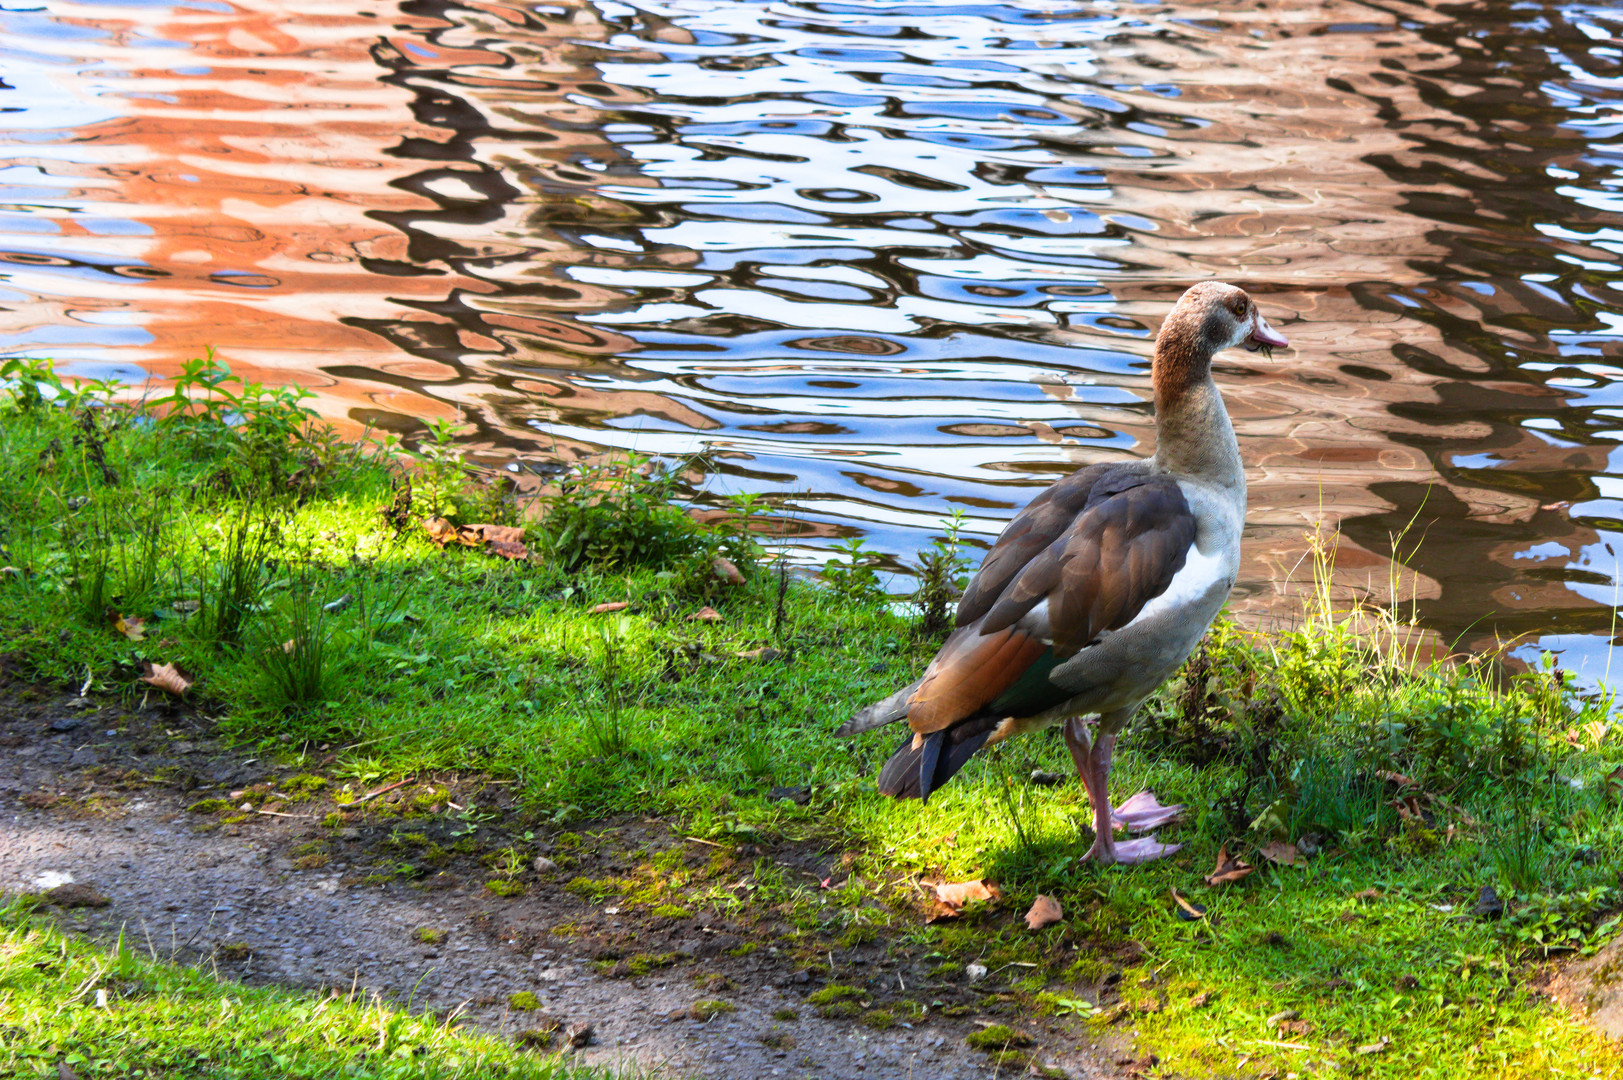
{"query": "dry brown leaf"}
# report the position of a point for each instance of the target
(1367, 895)
(613, 605)
(166, 677)
(134, 629)
(507, 550)
(289, 645)
(726, 571)
(705, 614)
(507, 541)
(1283, 854)
(1397, 778)
(1409, 809)
(497, 534)
(440, 531)
(1229, 869)
(1045, 911)
(1186, 909)
(951, 897)
(959, 893)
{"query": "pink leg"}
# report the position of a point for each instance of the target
(1139, 813)
(1086, 757)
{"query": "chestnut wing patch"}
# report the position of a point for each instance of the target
(1123, 550)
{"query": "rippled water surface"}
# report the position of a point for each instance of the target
(880, 260)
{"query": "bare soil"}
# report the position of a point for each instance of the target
(97, 795)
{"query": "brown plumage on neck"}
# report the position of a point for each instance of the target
(1194, 330)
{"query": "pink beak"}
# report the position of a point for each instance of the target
(1264, 336)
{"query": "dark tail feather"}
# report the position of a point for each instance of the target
(915, 773)
(879, 714)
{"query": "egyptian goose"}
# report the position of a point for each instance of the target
(1096, 592)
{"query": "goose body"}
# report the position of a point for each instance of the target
(1096, 592)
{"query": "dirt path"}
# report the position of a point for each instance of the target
(231, 897)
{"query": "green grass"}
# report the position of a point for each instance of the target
(122, 1012)
(454, 659)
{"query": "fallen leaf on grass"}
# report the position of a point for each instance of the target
(497, 534)
(440, 531)
(951, 897)
(134, 629)
(1045, 911)
(1187, 910)
(705, 614)
(506, 541)
(507, 550)
(765, 652)
(1409, 809)
(166, 677)
(1367, 895)
(1228, 869)
(1375, 1047)
(726, 571)
(1283, 854)
(613, 605)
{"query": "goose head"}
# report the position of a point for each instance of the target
(1208, 318)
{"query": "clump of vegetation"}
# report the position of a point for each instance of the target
(523, 1001)
(429, 935)
(504, 887)
(710, 1009)
(852, 571)
(998, 1037)
(942, 575)
(833, 992)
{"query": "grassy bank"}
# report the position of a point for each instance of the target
(637, 663)
(75, 1011)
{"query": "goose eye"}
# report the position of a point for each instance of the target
(1239, 307)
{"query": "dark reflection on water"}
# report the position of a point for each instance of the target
(881, 260)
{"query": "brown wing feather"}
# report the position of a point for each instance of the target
(1032, 530)
(969, 672)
